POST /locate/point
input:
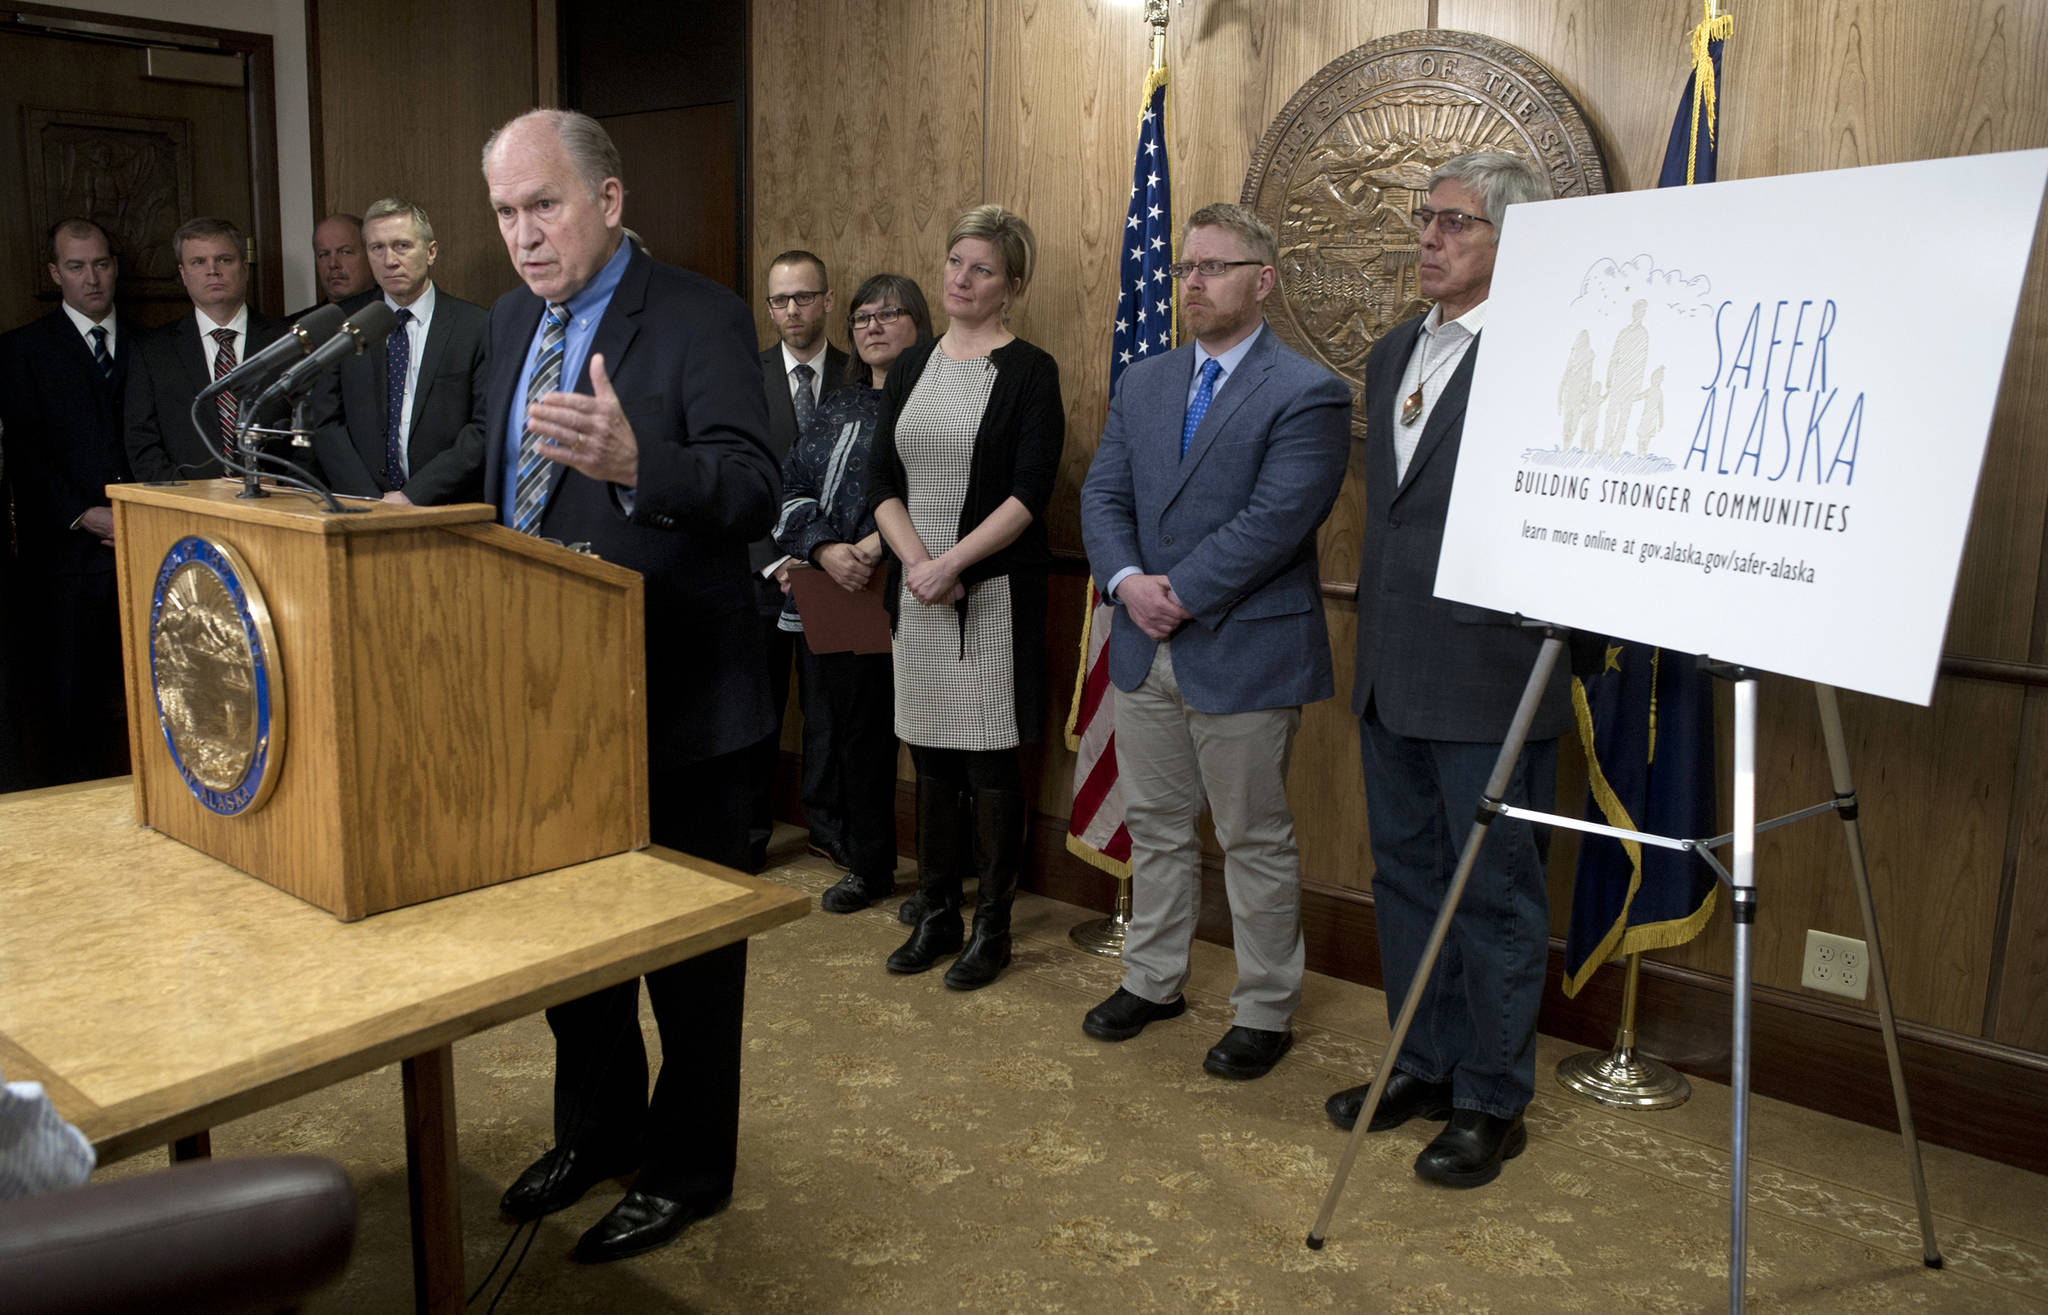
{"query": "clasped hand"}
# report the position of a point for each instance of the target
(932, 582)
(849, 567)
(1153, 605)
(588, 432)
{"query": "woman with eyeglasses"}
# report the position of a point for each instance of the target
(963, 464)
(825, 521)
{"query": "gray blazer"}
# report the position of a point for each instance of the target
(1434, 670)
(1232, 525)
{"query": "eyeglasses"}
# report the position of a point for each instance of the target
(781, 300)
(1453, 221)
(1208, 269)
(886, 316)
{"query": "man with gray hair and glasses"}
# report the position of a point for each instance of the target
(1435, 686)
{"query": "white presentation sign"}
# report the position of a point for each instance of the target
(1745, 419)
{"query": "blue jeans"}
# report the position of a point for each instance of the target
(1476, 1024)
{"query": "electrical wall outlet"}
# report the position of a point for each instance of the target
(1837, 964)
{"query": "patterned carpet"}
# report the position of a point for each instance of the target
(909, 1148)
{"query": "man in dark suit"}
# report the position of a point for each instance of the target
(411, 410)
(1217, 463)
(796, 373)
(171, 365)
(1436, 686)
(340, 265)
(658, 460)
(60, 420)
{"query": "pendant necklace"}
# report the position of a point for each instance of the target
(1411, 405)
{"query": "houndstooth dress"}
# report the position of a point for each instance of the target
(950, 695)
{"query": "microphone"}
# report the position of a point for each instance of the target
(368, 327)
(312, 331)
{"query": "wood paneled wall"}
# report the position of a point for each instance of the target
(406, 95)
(930, 105)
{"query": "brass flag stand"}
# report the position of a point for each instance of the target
(1621, 1077)
(1741, 881)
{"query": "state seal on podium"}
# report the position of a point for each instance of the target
(213, 664)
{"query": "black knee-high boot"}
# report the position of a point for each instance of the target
(998, 857)
(943, 842)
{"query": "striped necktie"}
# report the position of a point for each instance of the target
(223, 365)
(397, 363)
(530, 494)
(99, 350)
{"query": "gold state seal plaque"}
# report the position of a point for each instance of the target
(213, 662)
(1340, 171)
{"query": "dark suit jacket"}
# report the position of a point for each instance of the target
(1434, 670)
(166, 370)
(782, 436)
(63, 439)
(680, 352)
(1232, 523)
(448, 408)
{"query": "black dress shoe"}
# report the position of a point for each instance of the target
(558, 1180)
(1406, 1097)
(854, 893)
(641, 1223)
(831, 850)
(1124, 1015)
(1245, 1053)
(1470, 1151)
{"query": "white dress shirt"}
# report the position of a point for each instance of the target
(790, 361)
(86, 326)
(207, 343)
(1439, 349)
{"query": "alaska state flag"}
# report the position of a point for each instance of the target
(1646, 720)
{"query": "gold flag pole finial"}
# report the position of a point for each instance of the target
(1156, 16)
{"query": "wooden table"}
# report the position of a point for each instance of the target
(156, 992)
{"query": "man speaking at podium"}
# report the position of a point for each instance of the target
(625, 411)
(1435, 688)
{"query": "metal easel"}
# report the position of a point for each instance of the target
(1741, 881)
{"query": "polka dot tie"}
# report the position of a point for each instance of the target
(1198, 408)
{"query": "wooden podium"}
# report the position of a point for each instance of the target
(461, 704)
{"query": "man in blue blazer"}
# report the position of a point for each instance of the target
(625, 412)
(411, 412)
(1218, 462)
(1436, 685)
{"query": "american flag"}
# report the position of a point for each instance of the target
(1144, 327)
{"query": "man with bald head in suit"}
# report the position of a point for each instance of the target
(625, 411)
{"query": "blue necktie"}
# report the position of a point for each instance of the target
(1200, 406)
(531, 490)
(397, 363)
(99, 350)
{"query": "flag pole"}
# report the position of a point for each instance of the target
(1620, 1077)
(1105, 936)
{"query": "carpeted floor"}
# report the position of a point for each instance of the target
(909, 1148)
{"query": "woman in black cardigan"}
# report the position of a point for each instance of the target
(963, 464)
